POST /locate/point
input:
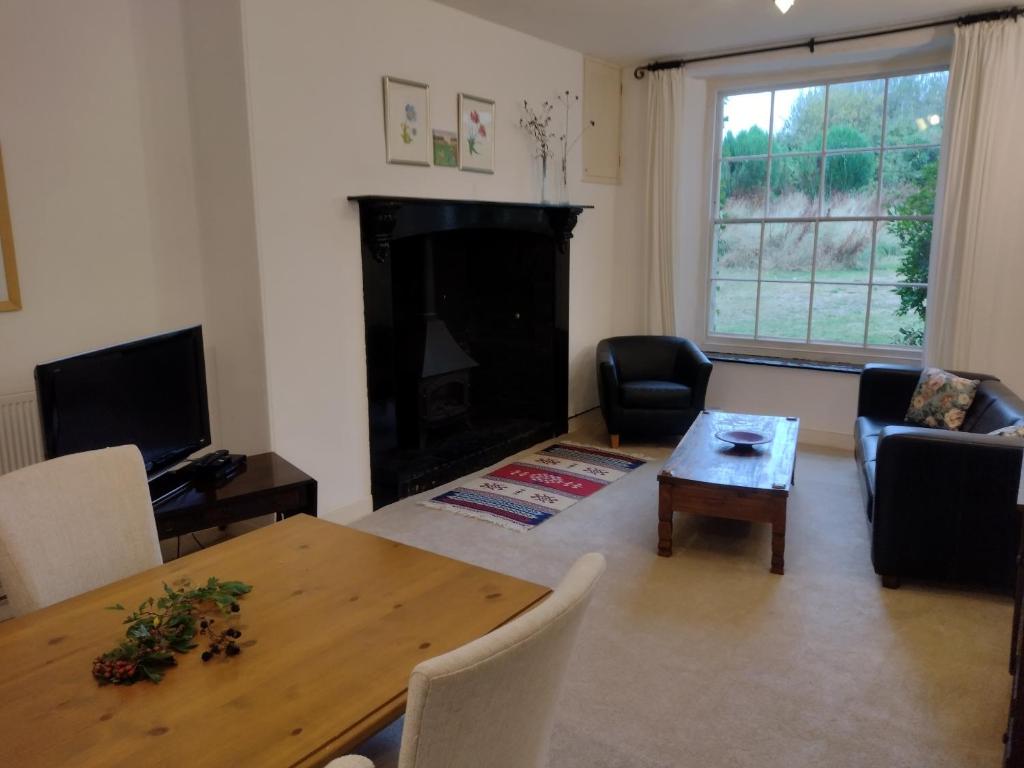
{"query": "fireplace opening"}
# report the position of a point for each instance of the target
(466, 339)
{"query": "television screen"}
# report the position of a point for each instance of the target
(150, 393)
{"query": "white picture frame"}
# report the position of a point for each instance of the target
(407, 136)
(476, 133)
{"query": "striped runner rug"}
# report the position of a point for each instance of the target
(523, 494)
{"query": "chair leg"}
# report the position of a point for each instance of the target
(614, 440)
(891, 582)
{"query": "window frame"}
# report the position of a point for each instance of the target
(832, 352)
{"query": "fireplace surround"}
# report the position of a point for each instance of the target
(466, 307)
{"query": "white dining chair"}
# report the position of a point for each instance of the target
(74, 523)
(490, 703)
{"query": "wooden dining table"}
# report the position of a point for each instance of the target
(334, 624)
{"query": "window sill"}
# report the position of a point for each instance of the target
(785, 362)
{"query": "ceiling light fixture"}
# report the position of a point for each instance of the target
(784, 5)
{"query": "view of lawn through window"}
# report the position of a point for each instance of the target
(823, 225)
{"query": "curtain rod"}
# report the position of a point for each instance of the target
(1006, 13)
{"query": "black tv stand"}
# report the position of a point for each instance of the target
(169, 484)
(265, 485)
(215, 466)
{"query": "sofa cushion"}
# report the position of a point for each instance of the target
(941, 399)
(1014, 430)
(655, 394)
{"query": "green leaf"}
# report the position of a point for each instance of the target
(115, 607)
(236, 587)
(152, 674)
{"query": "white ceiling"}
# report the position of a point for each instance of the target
(633, 30)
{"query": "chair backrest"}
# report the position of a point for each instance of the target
(645, 357)
(490, 702)
(74, 523)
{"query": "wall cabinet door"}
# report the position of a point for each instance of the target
(602, 103)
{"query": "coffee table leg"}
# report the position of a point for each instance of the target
(779, 543)
(665, 521)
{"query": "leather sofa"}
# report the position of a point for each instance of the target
(650, 385)
(941, 504)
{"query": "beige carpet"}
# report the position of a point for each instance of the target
(705, 659)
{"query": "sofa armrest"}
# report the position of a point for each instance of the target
(885, 391)
(945, 503)
(693, 369)
(608, 386)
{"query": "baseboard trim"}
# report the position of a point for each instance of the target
(820, 438)
(350, 512)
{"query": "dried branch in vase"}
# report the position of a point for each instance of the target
(568, 99)
(537, 123)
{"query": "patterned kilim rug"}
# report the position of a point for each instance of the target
(525, 493)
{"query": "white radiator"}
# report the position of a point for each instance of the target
(21, 439)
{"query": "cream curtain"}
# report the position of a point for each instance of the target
(664, 114)
(976, 305)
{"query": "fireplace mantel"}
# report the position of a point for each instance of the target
(384, 219)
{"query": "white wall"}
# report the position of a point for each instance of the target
(314, 76)
(224, 197)
(94, 129)
(99, 106)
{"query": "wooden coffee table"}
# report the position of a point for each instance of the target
(706, 476)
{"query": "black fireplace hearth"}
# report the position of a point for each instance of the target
(467, 308)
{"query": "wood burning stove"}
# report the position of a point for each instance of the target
(466, 306)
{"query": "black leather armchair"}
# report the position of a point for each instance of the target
(652, 385)
(942, 504)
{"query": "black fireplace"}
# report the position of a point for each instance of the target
(467, 318)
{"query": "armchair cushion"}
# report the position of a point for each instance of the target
(941, 399)
(655, 394)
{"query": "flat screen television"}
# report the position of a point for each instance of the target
(150, 393)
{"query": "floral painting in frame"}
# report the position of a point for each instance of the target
(476, 134)
(407, 136)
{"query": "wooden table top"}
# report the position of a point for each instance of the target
(702, 458)
(335, 623)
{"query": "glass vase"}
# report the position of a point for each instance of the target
(544, 180)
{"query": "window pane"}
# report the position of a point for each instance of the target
(855, 114)
(888, 253)
(897, 316)
(839, 313)
(788, 251)
(916, 108)
(736, 250)
(796, 185)
(745, 119)
(851, 184)
(783, 311)
(844, 251)
(907, 245)
(732, 307)
(741, 189)
(798, 120)
(908, 182)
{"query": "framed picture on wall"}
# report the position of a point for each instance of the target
(476, 134)
(10, 295)
(407, 138)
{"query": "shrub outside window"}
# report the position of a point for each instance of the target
(823, 204)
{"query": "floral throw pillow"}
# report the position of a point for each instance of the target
(941, 399)
(1014, 430)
